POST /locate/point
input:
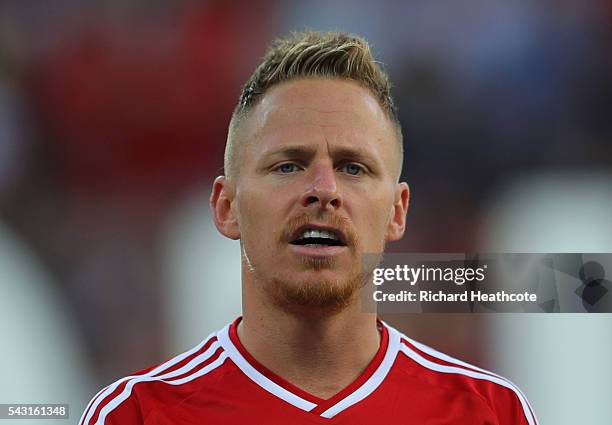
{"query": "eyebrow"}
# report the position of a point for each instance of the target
(299, 151)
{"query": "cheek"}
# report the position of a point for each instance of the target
(374, 221)
(257, 221)
(248, 220)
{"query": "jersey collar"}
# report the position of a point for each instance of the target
(358, 390)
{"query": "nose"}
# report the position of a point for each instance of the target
(322, 188)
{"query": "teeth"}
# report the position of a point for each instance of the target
(318, 234)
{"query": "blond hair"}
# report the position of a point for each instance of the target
(312, 55)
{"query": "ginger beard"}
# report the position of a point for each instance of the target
(318, 294)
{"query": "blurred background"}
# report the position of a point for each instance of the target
(113, 118)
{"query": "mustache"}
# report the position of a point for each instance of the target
(337, 222)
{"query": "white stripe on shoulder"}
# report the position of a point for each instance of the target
(196, 361)
(257, 377)
(102, 394)
(93, 400)
(471, 372)
(434, 353)
(374, 381)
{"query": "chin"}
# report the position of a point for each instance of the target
(320, 291)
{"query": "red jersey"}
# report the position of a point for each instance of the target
(219, 382)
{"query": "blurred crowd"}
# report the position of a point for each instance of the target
(114, 113)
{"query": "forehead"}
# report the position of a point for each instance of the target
(338, 111)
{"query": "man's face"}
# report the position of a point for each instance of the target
(316, 189)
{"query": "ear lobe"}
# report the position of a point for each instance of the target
(221, 200)
(397, 224)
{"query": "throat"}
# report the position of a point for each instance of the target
(321, 365)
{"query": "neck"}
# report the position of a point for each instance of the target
(318, 353)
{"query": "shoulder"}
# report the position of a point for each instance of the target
(129, 399)
(506, 401)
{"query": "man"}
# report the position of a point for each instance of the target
(312, 164)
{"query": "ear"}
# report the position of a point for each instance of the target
(397, 223)
(221, 202)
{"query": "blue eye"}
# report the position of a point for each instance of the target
(353, 169)
(287, 168)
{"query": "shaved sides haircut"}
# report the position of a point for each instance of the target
(329, 55)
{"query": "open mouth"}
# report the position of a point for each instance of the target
(318, 238)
